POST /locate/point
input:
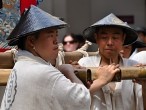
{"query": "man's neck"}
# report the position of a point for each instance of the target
(107, 61)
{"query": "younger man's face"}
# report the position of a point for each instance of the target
(110, 41)
(47, 45)
(142, 36)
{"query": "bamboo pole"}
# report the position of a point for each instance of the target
(124, 74)
(7, 63)
(75, 56)
(4, 75)
(6, 60)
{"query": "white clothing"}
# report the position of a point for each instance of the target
(135, 52)
(124, 97)
(140, 57)
(2, 90)
(35, 84)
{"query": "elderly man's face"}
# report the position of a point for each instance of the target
(110, 41)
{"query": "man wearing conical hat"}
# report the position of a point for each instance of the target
(110, 34)
(141, 33)
(129, 50)
(34, 84)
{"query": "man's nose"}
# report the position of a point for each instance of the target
(122, 51)
(110, 41)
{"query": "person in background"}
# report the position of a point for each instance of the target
(72, 42)
(141, 31)
(110, 34)
(140, 57)
(34, 84)
(131, 49)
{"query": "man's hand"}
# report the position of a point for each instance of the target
(107, 72)
(68, 71)
(104, 75)
(75, 64)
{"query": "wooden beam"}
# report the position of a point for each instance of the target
(4, 75)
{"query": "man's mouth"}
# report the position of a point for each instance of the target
(55, 48)
(109, 49)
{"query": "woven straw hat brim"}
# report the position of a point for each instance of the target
(14, 41)
(139, 44)
(34, 20)
(113, 21)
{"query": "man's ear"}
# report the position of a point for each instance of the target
(30, 41)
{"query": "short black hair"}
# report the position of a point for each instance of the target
(22, 40)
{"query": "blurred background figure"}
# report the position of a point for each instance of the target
(140, 57)
(129, 50)
(141, 31)
(72, 42)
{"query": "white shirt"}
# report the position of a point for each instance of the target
(124, 97)
(35, 84)
(139, 57)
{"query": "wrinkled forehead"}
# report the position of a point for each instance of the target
(109, 29)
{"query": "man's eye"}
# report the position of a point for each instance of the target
(115, 37)
(103, 37)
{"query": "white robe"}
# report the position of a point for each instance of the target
(125, 95)
(35, 84)
(140, 57)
